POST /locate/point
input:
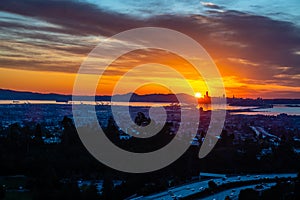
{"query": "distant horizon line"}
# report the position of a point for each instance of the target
(106, 95)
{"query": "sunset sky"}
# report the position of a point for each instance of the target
(255, 44)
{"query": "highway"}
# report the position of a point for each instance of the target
(193, 188)
(234, 193)
(259, 130)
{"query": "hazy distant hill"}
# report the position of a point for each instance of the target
(17, 95)
(155, 97)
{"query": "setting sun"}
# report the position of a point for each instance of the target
(198, 95)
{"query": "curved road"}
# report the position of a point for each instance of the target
(193, 188)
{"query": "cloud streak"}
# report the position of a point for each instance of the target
(57, 35)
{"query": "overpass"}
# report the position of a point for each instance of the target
(187, 190)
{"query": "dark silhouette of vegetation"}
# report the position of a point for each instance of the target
(52, 170)
(2, 192)
(212, 185)
(248, 194)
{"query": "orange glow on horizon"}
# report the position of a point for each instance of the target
(62, 82)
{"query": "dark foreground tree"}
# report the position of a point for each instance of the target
(248, 194)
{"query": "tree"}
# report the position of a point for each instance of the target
(38, 134)
(69, 191)
(297, 187)
(69, 136)
(212, 185)
(141, 119)
(108, 187)
(2, 192)
(14, 134)
(91, 193)
(248, 194)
